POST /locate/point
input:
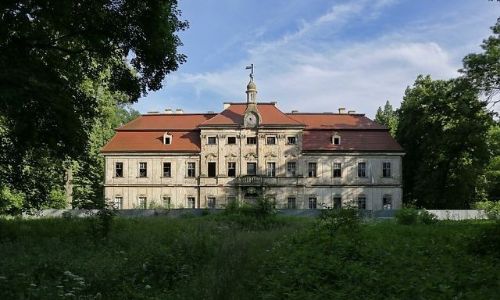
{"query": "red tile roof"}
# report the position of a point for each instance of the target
(233, 115)
(350, 140)
(335, 121)
(152, 141)
(167, 122)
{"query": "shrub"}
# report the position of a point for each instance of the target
(492, 209)
(407, 216)
(487, 241)
(426, 217)
(339, 220)
(11, 202)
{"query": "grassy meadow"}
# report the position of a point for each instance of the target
(224, 257)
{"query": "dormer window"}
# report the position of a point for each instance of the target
(167, 139)
(336, 139)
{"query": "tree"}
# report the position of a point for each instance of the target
(443, 127)
(387, 117)
(483, 69)
(493, 169)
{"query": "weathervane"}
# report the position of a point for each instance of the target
(250, 67)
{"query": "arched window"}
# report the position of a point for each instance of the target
(167, 138)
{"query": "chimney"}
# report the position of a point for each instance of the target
(210, 112)
(295, 111)
(179, 111)
(341, 110)
(168, 111)
(153, 112)
(226, 105)
(351, 112)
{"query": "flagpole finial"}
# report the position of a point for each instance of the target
(250, 67)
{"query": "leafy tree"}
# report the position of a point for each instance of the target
(483, 69)
(387, 117)
(443, 127)
(493, 169)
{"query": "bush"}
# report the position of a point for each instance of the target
(339, 220)
(427, 218)
(492, 209)
(407, 216)
(487, 241)
(11, 202)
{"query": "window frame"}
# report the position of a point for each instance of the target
(273, 137)
(387, 206)
(252, 138)
(188, 199)
(294, 140)
(169, 201)
(386, 172)
(210, 170)
(231, 137)
(337, 201)
(293, 202)
(361, 199)
(229, 167)
(288, 172)
(121, 169)
(144, 204)
(145, 169)
(255, 168)
(188, 169)
(211, 138)
(164, 165)
(313, 202)
(335, 138)
(310, 171)
(169, 137)
(211, 204)
(339, 169)
(120, 203)
(359, 169)
(271, 172)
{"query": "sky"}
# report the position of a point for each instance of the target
(317, 56)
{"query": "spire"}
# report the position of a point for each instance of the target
(251, 87)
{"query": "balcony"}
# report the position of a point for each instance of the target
(259, 180)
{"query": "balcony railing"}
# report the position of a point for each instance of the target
(257, 180)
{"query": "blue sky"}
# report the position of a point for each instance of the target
(316, 56)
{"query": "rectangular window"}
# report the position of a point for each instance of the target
(211, 202)
(386, 169)
(337, 170)
(143, 169)
(191, 202)
(312, 169)
(291, 168)
(337, 202)
(119, 169)
(143, 202)
(212, 169)
(387, 202)
(191, 169)
(291, 140)
(362, 169)
(251, 168)
(271, 140)
(292, 203)
(231, 140)
(336, 140)
(271, 169)
(167, 169)
(166, 201)
(167, 140)
(313, 202)
(361, 202)
(118, 202)
(211, 140)
(252, 140)
(231, 169)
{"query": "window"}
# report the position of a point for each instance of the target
(231, 169)
(252, 140)
(292, 203)
(337, 170)
(142, 202)
(143, 169)
(118, 202)
(271, 140)
(291, 168)
(231, 140)
(211, 140)
(312, 202)
(337, 201)
(167, 169)
(271, 169)
(211, 202)
(336, 140)
(191, 169)
(312, 169)
(291, 140)
(166, 201)
(362, 169)
(251, 168)
(386, 169)
(191, 202)
(212, 169)
(387, 202)
(167, 140)
(119, 169)
(361, 202)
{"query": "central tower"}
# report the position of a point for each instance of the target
(252, 116)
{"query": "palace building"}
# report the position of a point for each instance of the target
(250, 150)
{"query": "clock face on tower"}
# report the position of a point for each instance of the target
(251, 120)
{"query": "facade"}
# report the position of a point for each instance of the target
(249, 150)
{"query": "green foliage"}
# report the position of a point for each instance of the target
(251, 216)
(407, 216)
(426, 218)
(483, 69)
(492, 175)
(339, 220)
(492, 208)
(486, 241)
(443, 127)
(11, 202)
(387, 117)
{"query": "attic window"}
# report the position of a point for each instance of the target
(167, 139)
(336, 139)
